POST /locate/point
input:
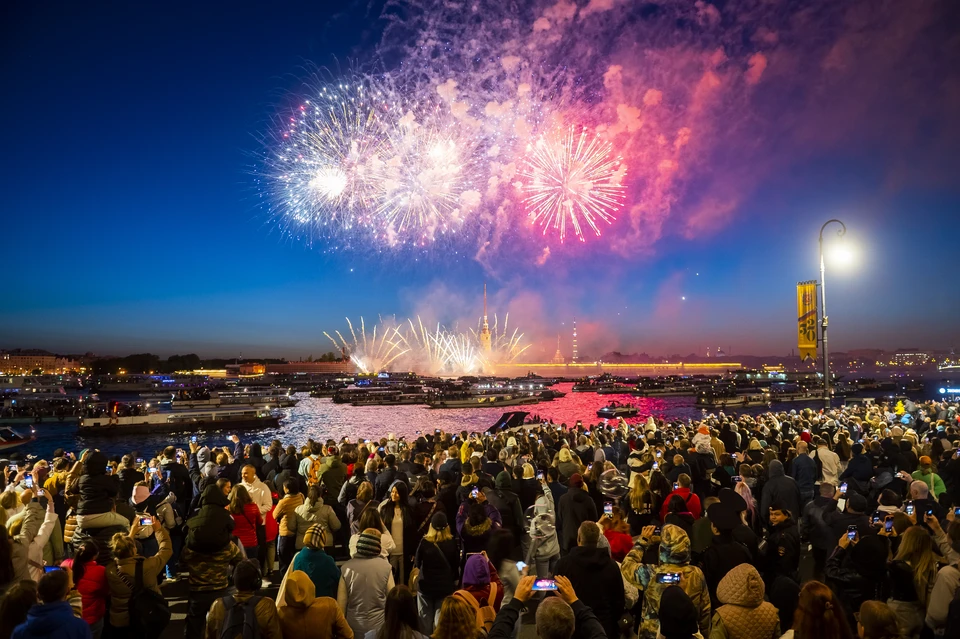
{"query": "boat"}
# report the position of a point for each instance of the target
(481, 401)
(268, 398)
(549, 395)
(617, 409)
(615, 389)
(508, 421)
(232, 418)
(10, 439)
(392, 399)
(731, 400)
(664, 390)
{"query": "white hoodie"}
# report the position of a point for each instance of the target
(260, 495)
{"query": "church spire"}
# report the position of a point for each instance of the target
(486, 341)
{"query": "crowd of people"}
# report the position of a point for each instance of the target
(807, 525)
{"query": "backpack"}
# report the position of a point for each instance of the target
(313, 474)
(486, 615)
(240, 619)
(816, 459)
(149, 611)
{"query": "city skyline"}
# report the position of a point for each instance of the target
(137, 219)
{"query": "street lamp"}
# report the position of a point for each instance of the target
(823, 315)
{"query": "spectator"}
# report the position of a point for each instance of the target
(877, 621)
(398, 519)
(456, 620)
(575, 508)
(316, 563)
(507, 503)
(678, 513)
(371, 519)
(544, 543)
(208, 580)
(595, 575)
(122, 571)
(680, 467)
(854, 515)
(857, 571)
(348, 492)
(364, 583)
(90, 580)
(818, 615)
(557, 489)
(356, 506)
(724, 553)
(210, 529)
(617, 531)
(401, 620)
(677, 614)
(780, 489)
(481, 583)
(912, 575)
(15, 604)
(438, 559)
(247, 579)
(557, 617)
(333, 472)
(97, 492)
(927, 475)
(690, 500)
(673, 559)
(815, 528)
(701, 533)
(476, 520)
(303, 615)
(52, 617)
(386, 478)
(315, 511)
(247, 519)
(285, 514)
(783, 545)
(744, 614)
(828, 462)
(259, 492)
(566, 466)
(804, 471)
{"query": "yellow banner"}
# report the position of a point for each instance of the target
(807, 319)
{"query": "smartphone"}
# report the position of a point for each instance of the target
(956, 511)
(193, 438)
(474, 493)
(656, 531)
(51, 568)
(608, 509)
(655, 466)
(13, 467)
(380, 449)
(668, 578)
(540, 476)
(737, 479)
(909, 508)
(544, 584)
(888, 525)
(875, 519)
(145, 521)
(843, 488)
(659, 453)
(154, 471)
(521, 566)
(39, 492)
(852, 532)
(676, 485)
(139, 460)
(28, 480)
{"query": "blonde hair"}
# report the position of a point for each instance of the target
(435, 536)
(916, 550)
(122, 546)
(457, 620)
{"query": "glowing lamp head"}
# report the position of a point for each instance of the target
(842, 254)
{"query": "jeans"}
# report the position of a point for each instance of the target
(286, 548)
(544, 566)
(96, 628)
(176, 539)
(198, 604)
(429, 610)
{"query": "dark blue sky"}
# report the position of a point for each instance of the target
(131, 218)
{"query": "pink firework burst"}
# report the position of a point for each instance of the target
(572, 179)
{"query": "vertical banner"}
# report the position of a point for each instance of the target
(807, 319)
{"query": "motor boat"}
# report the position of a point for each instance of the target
(617, 409)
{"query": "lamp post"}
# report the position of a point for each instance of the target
(823, 315)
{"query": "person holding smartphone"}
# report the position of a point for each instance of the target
(121, 571)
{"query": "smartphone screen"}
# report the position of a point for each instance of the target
(540, 476)
(659, 453)
(668, 578)
(145, 521)
(655, 466)
(521, 566)
(843, 488)
(909, 509)
(852, 533)
(39, 492)
(28, 480)
(676, 486)
(956, 511)
(139, 460)
(608, 509)
(737, 479)
(888, 525)
(474, 493)
(193, 438)
(51, 568)
(109, 470)
(544, 584)
(876, 520)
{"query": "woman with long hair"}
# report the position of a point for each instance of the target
(678, 514)
(912, 574)
(818, 615)
(750, 516)
(400, 619)
(371, 519)
(246, 517)
(438, 560)
(639, 504)
(357, 505)
(877, 621)
(617, 531)
(398, 519)
(457, 620)
(15, 604)
(90, 580)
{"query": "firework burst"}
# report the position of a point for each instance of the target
(505, 347)
(460, 355)
(571, 179)
(373, 353)
(426, 348)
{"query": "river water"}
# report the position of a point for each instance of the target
(322, 419)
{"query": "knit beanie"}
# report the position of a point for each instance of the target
(439, 521)
(503, 481)
(368, 543)
(576, 480)
(315, 537)
(678, 616)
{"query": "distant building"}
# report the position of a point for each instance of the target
(23, 361)
(486, 341)
(910, 358)
(291, 368)
(558, 357)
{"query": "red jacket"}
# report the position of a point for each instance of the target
(246, 524)
(692, 501)
(94, 590)
(620, 543)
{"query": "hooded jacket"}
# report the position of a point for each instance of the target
(596, 579)
(268, 621)
(575, 508)
(333, 474)
(97, 488)
(859, 573)
(508, 505)
(310, 513)
(53, 620)
(303, 615)
(209, 530)
(543, 528)
(744, 614)
(780, 488)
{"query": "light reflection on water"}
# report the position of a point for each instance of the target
(321, 418)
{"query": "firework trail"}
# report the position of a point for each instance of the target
(505, 347)
(371, 354)
(571, 178)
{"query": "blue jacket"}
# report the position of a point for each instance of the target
(805, 473)
(322, 570)
(52, 620)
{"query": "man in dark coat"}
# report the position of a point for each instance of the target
(386, 478)
(817, 530)
(575, 508)
(595, 576)
(783, 545)
(724, 553)
(780, 489)
(804, 472)
(507, 503)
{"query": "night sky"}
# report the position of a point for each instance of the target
(132, 219)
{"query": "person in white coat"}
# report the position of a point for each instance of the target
(258, 491)
(544, 545)
(29, 535)
(830, 462)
